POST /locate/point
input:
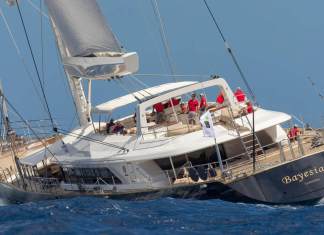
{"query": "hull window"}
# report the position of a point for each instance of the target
(90, 176)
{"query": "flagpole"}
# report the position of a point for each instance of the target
(253, 141)
(208, 129)
(219, 156)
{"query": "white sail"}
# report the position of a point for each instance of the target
(91, 49)
(88, 48)
(82, 27)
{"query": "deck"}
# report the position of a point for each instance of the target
(241, 166)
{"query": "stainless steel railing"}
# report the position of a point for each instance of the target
(238, 165)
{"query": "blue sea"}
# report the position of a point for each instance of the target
(88, 215)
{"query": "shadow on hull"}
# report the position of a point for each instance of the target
(298, 181)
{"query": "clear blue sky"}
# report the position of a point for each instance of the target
(278, 44)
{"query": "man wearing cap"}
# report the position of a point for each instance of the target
(203, 103)
(193, 106)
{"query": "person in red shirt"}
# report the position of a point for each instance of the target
(239, 94)
(249, 107)
(203, 103)
(159, 109)
(193, 106)
(220, 98)
(293, 133)
(173, 102)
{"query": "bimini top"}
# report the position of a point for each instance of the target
(139, 95)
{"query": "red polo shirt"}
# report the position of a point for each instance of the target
(158, 107)
(174, 101)
(220, 99)
(240, 96)
(249, 108)
(203, 102)
(193, 105)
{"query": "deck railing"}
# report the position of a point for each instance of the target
(234, 167)
(240, 165)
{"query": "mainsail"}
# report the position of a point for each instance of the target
(88, 49)
(91, 49)
(82, 27)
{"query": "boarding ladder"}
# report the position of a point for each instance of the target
(258, 147)
(246, 140)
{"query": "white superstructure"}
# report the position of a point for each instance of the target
(147, 149)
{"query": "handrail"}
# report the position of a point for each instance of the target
(229, 168)
(50, 184)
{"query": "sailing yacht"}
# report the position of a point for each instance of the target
(248, 157)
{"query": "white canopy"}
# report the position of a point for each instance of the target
(141, 95)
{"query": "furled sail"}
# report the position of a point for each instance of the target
(82, 27)
(92, 50)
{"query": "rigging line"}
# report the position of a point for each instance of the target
(138, 91)
(127, 90)
(35, 65)
(227, 46)
(140, 83)
(134, 91)
(66, 84)
(155, 44)
(38, 9)
(135, 85)
(70, 126)
(35, 127)
(26, 123)
(65, 132)
(20, 56)
(164, 37)
(42, 41)
(172, 75)
(315, 88)
(32, 120)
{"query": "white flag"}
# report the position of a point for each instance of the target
(207, 124)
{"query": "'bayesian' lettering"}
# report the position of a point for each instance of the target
(300, 177)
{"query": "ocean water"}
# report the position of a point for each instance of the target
(88, 215)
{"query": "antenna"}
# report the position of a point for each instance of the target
(320, 95)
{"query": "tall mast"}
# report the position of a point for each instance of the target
(75, 84)
(4, 112)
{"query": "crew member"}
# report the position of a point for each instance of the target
(249, 107)
(203, 103)
(119, 128)
(109, 126)
(293, 133)
(220, 98)
(193, 106)
(173, 102)
(183, 107)
(239, 94)
(159, 109)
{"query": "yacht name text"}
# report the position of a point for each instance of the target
(300, 177)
